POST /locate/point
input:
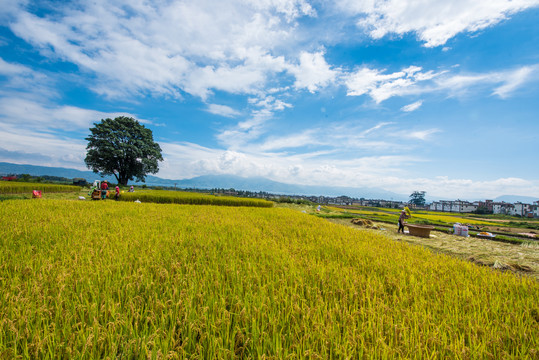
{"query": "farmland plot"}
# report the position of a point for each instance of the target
(125, 280)
(191, 198)
(13, 187)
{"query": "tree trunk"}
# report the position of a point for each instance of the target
(122, 179)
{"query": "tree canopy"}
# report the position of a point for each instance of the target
(418, 198)
(124, 148)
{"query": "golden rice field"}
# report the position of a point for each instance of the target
(191, 198)
(451, 219)
(107, 279)
(13, 187)
(434, 216)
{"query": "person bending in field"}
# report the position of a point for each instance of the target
(401, 221)
(117, 195)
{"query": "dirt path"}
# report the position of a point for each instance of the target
(519, 259)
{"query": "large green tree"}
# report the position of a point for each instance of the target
(124, 148)
(418, 198)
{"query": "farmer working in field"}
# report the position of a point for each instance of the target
(104, 189)
(402, 217)
(117, 195)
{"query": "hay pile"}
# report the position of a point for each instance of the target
(364, 222)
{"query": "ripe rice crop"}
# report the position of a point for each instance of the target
(191, 198)
(12, 187)
(450, 219)
(392, 215)
(109, 279)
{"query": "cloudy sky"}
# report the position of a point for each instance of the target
(401, 95)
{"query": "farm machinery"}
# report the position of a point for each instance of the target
(95, 191)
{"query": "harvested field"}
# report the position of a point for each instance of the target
(365, 223)
(519, 259)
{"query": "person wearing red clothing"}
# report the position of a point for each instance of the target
(104, 189)
(117, 195)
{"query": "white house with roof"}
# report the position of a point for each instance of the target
(521, 209)
(460, 206)
(503, 208)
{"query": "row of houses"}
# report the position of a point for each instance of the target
(346, 200)
(487, 206)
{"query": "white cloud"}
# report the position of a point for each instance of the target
(444, 186)
(510, 81)
(365, 171)
(380, 86)
(288, 141)
(256, 48)
(10, 69)
(167, 48)
(194, 160)
(222, 110)
(313, 72)
(253, 127)
(413, 106)
(20, 78)
(28, 114)
(242, 47)
(434, 22)
(291, 8)
(516, 79)
(19, 144)
(420, 134)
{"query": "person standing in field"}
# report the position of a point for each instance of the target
(402, 217)
(104, 189)
(117, 195)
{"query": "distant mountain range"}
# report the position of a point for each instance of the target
(239, 183)
(215, 181)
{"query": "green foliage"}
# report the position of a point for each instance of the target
(418, 198)
(24, 177)
(289, 200)
(124, 148)
(482, 210)
(524, 224)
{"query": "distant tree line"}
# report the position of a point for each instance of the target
(41, 178)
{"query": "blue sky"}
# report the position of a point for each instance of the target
(400, 95)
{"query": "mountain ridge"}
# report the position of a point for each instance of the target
(255, 184)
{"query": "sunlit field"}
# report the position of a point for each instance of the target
(393, 215)
(106, 279)
(191, 198)
(13, 187)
